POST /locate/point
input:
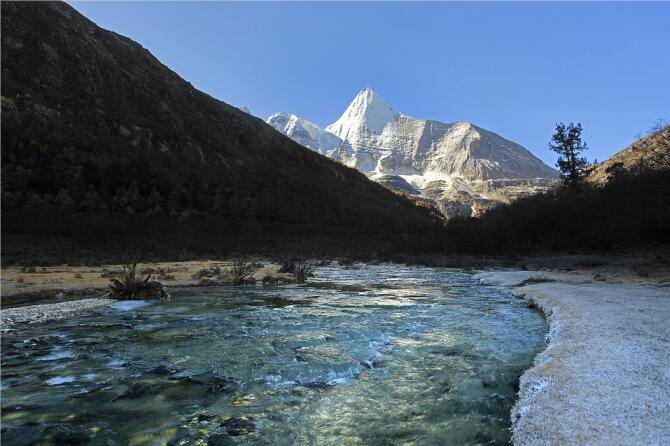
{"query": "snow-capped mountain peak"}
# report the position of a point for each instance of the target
(367, 112)
(462, 168)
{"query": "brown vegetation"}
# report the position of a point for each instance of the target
(242, 271)
(301, 266)
(651, 152)
(134, 287)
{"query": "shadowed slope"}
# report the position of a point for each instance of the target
(93, 123)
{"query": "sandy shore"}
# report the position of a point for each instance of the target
(61, 291)
(29, 284)
(604, 378)
(20, 285)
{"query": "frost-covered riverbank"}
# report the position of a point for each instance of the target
(605, 375)
(49, 312)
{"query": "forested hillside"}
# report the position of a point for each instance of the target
(101, 141)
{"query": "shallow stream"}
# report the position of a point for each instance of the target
(371, 355)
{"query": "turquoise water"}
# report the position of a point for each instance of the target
(375, 355)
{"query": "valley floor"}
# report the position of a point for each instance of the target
(603, 379)
(605, 376)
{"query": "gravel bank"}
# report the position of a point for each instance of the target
(35, 314)
(605, 376)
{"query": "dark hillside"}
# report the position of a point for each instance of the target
(616, 209)
(93, 124)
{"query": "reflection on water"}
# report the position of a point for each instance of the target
(377, 355)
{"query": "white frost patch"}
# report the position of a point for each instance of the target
(516, 278)
(537, 386)
(603, 378)
(126, 305)
(506, 278)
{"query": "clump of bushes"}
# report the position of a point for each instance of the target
(301, 267)
(240, 272)
(211, 272)
(133, 286)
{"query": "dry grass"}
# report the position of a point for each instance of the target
(51, 281)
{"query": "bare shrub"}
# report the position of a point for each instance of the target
(301, 266)
(287, 263)
(304, 268)
(134, 287)
(242, 271)
(212, 271)
(269, 279)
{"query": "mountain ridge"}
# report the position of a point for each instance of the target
(382, 143)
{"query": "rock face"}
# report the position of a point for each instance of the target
(463, 168)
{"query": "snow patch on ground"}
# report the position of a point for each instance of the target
(604, 378)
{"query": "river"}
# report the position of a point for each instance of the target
(364, 355)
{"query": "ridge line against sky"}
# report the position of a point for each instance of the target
(512, 68)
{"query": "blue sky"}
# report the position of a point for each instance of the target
(513, 68)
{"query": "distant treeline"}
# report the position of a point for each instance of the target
(630, 211)
(46, 236)
(83, 213)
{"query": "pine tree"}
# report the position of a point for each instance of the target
(567, 142)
